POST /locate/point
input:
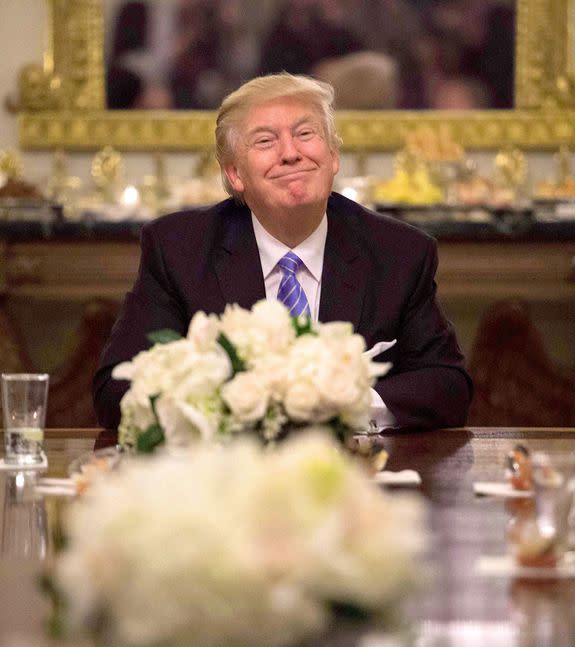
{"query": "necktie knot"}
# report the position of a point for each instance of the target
(290, 263)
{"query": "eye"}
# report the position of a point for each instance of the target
(264, 141)
(305, 133)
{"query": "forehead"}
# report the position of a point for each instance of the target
(280, 112)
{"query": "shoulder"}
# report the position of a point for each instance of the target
(201, 223)
(378, 230)
(194, 218)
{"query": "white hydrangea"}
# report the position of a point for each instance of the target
(235, 545)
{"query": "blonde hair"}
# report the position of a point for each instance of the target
(261, 90)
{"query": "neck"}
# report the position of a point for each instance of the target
(293, 226)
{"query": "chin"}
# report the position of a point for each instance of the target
(305, 199)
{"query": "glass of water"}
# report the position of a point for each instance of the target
(554, 488)
(24, 400)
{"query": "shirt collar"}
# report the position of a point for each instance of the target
(311, 250)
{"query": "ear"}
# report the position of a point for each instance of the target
(234, 179)
(335, 161)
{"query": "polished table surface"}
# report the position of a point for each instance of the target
(456, 607)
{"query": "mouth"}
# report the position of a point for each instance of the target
(291, 175)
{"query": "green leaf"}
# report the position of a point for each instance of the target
(237, 362)
(164, 336)
(54, 623)
(153, 400)
(302, 326)
(55, 627)
(349, 611)
(340, 431)
(150, 439)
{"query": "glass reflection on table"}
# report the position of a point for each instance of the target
(24, 519)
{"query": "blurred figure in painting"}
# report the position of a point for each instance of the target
(304, 33)
(279, 152)
(362, 80)
(459, 93)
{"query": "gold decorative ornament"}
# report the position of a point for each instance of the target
(543, 118)
(39, 89)
(107, 172)
(60, 182)
(10, 164)
(512, 167)
(207, 165)
(563, 165)
(63, 188)
(156, 189)
(412, 182)
(562, 186)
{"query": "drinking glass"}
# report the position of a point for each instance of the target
(554, 490)
(24, 400)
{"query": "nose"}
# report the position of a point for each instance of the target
(288, 149)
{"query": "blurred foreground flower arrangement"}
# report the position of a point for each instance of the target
(236, 545)
(260, 371)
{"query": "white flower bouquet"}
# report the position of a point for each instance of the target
(260, 370)
(236, 546)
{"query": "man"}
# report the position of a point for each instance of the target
(278, 151)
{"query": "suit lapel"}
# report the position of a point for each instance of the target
(344, 276)
(345, 273)
(237, 265)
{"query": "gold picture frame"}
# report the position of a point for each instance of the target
(63, 104)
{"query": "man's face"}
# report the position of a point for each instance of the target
(282, 159)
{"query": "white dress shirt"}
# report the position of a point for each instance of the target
(311, 252)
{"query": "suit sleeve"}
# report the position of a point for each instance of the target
(428, 385)
(152, 304)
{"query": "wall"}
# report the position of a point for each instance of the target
(22, 37)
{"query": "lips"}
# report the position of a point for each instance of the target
(291, 174)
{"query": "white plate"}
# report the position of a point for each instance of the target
(49, 490)
(495, 488)
(404, 478)
(505, 566)
(111, 455)
(56, 487)
(15, 467)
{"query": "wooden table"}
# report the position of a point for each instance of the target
(456, 604)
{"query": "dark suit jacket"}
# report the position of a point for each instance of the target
(378, 273)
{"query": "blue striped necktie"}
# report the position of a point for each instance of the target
(290, 292)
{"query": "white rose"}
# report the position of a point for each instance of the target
(271, 325)
(203, 330)
(305, 356)
(159, 369)
(303, 403)
(272, 371)
(235, 324)
(182, 421)
(247, 397)
(136, 410)
(357, 415)
(203, 374)
(267, 329)
(338, 385)
(336, 330)
(343, 374)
